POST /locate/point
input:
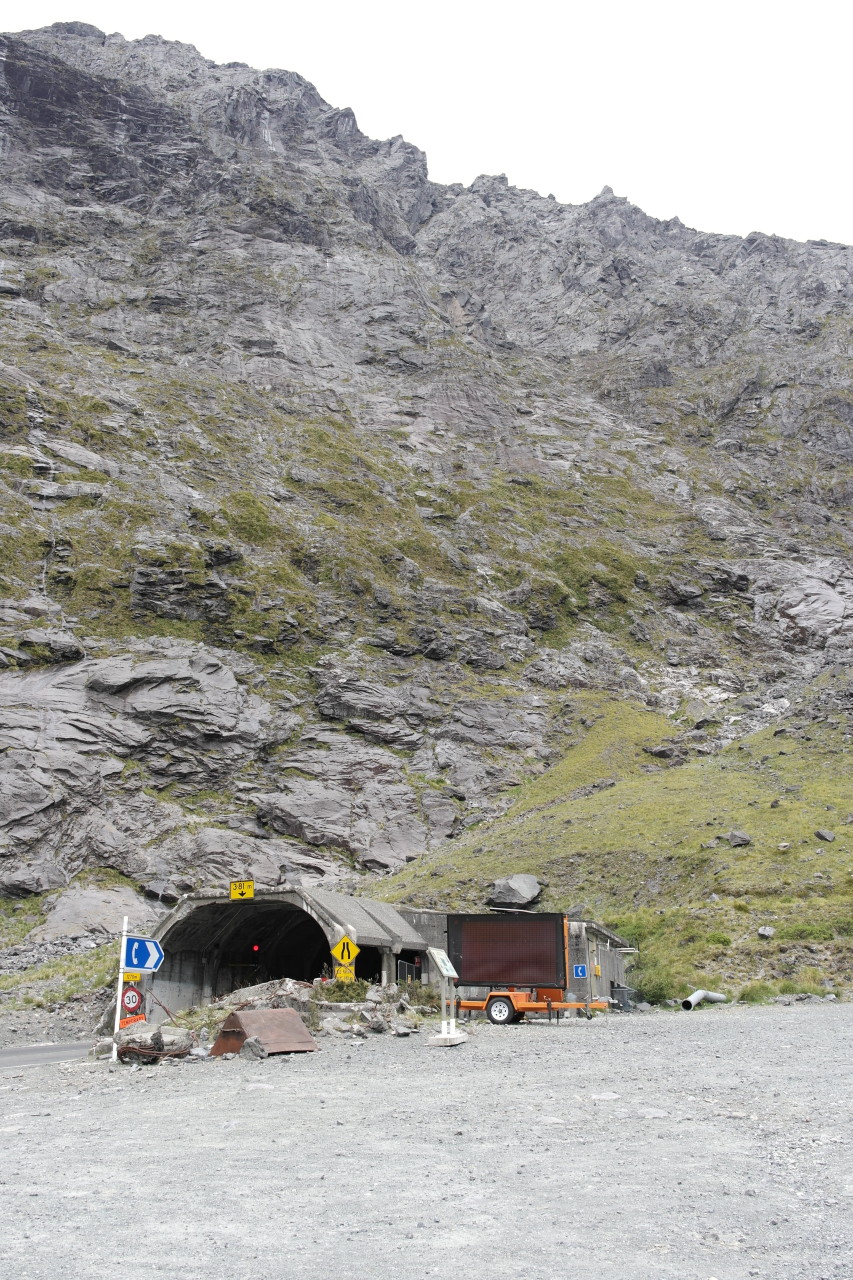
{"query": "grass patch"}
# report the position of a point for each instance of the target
(756, 993)
(62, 979)
(633, 853)
(249, 519)
(801, 931)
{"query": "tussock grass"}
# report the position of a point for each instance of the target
(62, 979)
(632, 853)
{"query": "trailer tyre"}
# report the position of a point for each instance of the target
(501, 1011)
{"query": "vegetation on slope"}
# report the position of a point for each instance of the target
(641, 846)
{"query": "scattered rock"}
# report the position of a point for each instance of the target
(515, 891)
(334, 1026)
(767, 931)
(823, 834)
(252, 1047)
(140, 1043)
(737, 838)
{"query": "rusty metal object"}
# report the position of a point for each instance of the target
(279, 1031)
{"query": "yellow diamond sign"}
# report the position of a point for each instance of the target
(345, 951)
(241, 889)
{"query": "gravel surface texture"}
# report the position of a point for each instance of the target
(694, 1146)
(75, 1020)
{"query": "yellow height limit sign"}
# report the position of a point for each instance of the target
(345, 952)
(242, 889)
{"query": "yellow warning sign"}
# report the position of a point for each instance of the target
(242, 889)
(345, 951)
(127, 976)
(344, 973)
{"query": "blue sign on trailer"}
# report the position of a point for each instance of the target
(143, 954)
(579, 971)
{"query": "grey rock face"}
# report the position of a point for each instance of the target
(358, 801)
(65, 734)
(293, 434)
(95, 912)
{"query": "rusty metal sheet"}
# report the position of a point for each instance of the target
(279, 1031)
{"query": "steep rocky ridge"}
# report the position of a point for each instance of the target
(328, 490)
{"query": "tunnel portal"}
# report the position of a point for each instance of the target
(244, 943)
(214, 945)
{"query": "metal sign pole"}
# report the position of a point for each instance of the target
(588, 973)
(119, 986)
(440, 963)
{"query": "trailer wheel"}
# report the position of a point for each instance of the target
(500, 1011)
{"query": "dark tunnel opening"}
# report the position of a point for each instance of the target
(368, 964)
(240, 944)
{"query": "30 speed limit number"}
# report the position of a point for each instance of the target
(131, 999)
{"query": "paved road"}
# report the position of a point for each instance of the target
(32, 1055)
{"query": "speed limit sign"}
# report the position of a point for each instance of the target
(131, 999)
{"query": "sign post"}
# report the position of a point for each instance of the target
(119, 986)
(448, 1036)
(136, 957)
(345, 952)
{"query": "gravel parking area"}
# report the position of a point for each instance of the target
(714, 1144)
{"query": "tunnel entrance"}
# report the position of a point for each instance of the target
(214, 945)
(238, 944)
(368, 964)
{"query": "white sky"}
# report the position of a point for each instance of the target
(732, 114)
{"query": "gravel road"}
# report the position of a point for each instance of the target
(714, 1144)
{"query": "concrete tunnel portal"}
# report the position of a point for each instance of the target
(214, 945)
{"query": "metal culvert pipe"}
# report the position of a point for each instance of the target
(712, 997)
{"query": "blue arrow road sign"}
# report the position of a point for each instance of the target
(579, 970)
(142, 954)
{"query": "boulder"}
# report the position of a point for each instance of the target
(177, 1041)
(737, 838)
(140, 1043)
(767, 931)
(53, 644)
(253, 1048)
(823, 834)
(143, 1043)
(334, 1026)
(515, 891)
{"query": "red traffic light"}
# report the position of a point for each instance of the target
(255, 946)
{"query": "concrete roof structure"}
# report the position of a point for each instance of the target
(367, 922)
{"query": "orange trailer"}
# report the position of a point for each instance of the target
(504, 1007)
(523, 960)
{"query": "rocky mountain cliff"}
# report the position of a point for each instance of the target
(332, 495)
